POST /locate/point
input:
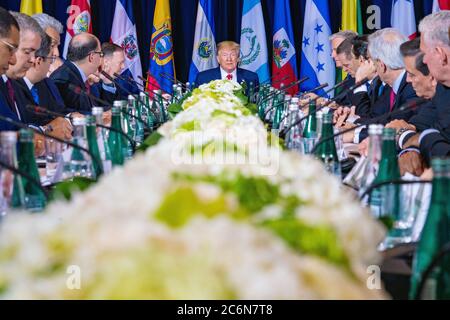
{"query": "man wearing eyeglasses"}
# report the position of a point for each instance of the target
(228, 59)
(36, 89)
(84, 57)
(9, 42)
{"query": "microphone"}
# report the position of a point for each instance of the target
(270, 81)
(319, 87)
(172, 79)
(79, 90)
(129, 80)
(339, 96)
(69, 143)
(293, 84)
(413, 104)
(374, 186)
(40, 110)
(26, 176)
(154, 85)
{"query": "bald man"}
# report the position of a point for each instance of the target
(84, 58)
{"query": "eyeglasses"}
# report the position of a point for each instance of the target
(100, 53)
(12, 48)
(50, 58)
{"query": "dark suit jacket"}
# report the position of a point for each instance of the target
(347, 98)
(6, 109)
(109, 97)
(434, 145)
(69, 74)
(382, 106)
(214, 74)
(363, 101)
(49, 98)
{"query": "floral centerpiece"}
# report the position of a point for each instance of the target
(201, 215)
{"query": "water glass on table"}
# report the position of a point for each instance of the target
(53, 155)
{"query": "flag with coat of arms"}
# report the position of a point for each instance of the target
(253, 43)
(79, 21)
(317, 63)
(439, 5)
(403, 17)
(123, 33)
(284, 64)
(161, 50)
(204, 49)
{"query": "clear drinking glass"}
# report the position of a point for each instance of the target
(53, 155)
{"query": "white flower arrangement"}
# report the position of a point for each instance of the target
(279, 227)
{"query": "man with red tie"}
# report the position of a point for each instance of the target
(228, 59)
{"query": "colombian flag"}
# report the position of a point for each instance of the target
(31, 7)
(162, 67)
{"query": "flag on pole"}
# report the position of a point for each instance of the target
(351, 16)
(79, 21)
(253, 43)
(351, 20)
(161, 49)
(284, 56)
(124, 33)
(439, 5)
(317, 63)
(403, 17)
(204, 50)
(31, 7)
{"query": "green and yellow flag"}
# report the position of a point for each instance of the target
(351, 20)
(31, 7)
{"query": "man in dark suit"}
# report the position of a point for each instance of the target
(9, 43)
(84, 57)
(228, 59)
(36, 89)
(384, 49)
(113, 63)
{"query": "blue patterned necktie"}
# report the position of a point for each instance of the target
(35, 94)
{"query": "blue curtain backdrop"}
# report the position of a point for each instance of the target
(228, 15)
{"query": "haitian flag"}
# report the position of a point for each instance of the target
(123, 33)
(284, 59)
(439, 5)
(317, 63)
(79, 21)
(161, 49)
(403, 17)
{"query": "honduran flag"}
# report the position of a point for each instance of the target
(123, 33)
(162, 67)
(284, 59)
(79, 21)
(204, 49)
(439, 5)
(403, 17)
(317, 63)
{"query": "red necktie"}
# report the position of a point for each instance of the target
(392, 100)
(229, 76)
(11, 95)
(88, 86)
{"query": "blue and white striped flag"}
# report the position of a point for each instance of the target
(124, 34)
(254, 55)
(317, 63)
(204, 50)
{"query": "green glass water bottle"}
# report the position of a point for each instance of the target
(35, 200)
(102, 140)
(91, 133)
(279, 103)
(13, 195)
(127, 129)
(435, 234)
(326, 150)
(310, 130)
(385, 200)
(133, 107)
(115, 139)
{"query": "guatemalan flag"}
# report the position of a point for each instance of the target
(161, 50)
(284, 58)
(317, 63)
(253, 43)
(123, 33)
(439, 5)
(79, 21)
(204, 50)
(403, 17)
